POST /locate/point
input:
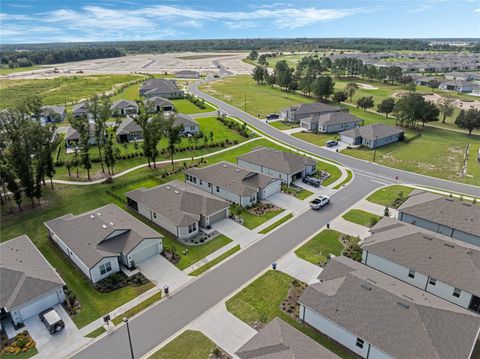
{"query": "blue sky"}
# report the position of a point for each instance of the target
(33, 21)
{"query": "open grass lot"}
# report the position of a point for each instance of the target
(190, 344)
(260, 302)
(215, 261)
(276, 224)
(252, 221)
(387, 195)
(185, 106)
(473, 166)
(318, 139)
(59, 90)
(360, 217)
(260, 99)
(6, 70)
(282, 125)
(319, 247)
(66, 199)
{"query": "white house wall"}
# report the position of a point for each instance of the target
(151, 245)
(95, 274)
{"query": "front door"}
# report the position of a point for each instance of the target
(474, 304)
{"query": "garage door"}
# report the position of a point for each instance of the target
(346, 139)
(218, 216)
(271, 189)
(141, 254)
(39, 305)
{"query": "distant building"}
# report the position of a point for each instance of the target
(124, 108)
(424, 80)
(462, 76)
(51, 114)
(459, 86)
(129, 130)
(233, 183)
(158, 104)
(190, 126)
(330, 122)
(162, 88)
(187, 74)
(450, 217)
(304, 110)
(373, 136)
(377, 316)
(73, 136)
(81, 109)
(286, 166)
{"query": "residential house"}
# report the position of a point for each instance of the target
(463, 76)
(187, 74)
(52, 114)
(101, 241)
(81, 109)
(450, 217)
(129, 130)
(373, 135)
(424, 80)
(72, 136)
(28, 283)
(161, 87)
(124, 108)
(330, 122)
(158, 104)
(286, 166)
(190, 126)
(279, 340)
(304, 110)
(178, 207)
(233, 183)
(442, 266)
(459, 86)
(377, 316)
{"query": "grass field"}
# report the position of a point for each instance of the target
(260, 302)
(387, 195)
(6, 70)
(360, 217)
(282, 125)
(185, 106)
(276, 224)
(318, 139)
(188, 345)
(60, 90)
(215, 261)
(252, 221)
(319, 247)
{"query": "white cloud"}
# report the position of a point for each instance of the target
(477, 10)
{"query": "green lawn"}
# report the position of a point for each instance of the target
(319, 247)
(6, 70)
(138, 308)
(387, 195)
(360, 217)
(28, 354)
(260, 99)
(185, 106)
(260, 302)
(131, 93)
(282, 125)
(345, 181)
(318, 139)
(95, 333)
(276, 224)
(303, 194)
(252, 221)
(215, 261)
(188, 345)
(59, 90)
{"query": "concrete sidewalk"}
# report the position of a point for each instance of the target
(341, 225)
(299, 268)
(210, 257)
(288, 202)
(271, 221)
(235, 231)
(374, 208)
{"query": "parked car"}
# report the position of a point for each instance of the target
(331, 143)
(52, 320)
(319, 202)
(312, 181)
(272, 116)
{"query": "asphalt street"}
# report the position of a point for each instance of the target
(169, 316)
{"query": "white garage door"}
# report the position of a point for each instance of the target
(271, 189)
(39, 305)
(143, 253)
(346, 139)
(218, 216)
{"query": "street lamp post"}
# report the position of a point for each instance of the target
(375, 148)
(125, 320)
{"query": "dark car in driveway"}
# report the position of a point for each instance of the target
(331, 143)
(272, 116)
(51, 319)
(312, 181)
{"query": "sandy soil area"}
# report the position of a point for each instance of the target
(205, 63)
(366, 86)
(435, 98)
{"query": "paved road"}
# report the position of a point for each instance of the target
(169, 316)
(359, 166)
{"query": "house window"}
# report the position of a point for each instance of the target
(188, 177)
(252, 198)
(432, 281)
(154, 215)
(411, 273)
(457, 292)
(201, 183)
(194, 179)
(105, 268)
(209, 185)
(360, 343)
(217, 188)
(192, 228)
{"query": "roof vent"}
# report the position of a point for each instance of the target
(469, 251)
(112, 224)
(168, 187)
(371, 281)
(449, 199)
(225, 165)
(404, 305)
(237, 170)
(99, 214)
(467, 204)
(176, 192)
(366, 287)
(449, 245)
(92, 216)
(104, 226)
(409, 298)
(427, 237)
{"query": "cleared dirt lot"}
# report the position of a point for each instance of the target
(204, 63)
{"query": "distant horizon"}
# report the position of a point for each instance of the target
(46, 21)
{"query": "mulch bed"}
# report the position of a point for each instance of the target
(261, 208)
(290, 303)
(120, 280)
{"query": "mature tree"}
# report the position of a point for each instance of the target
(155, 131)
(82, 125)
(339, 96)
(258, 74)
(262, 60)
(323, 87)
(253, 55)
(350, 89)
(142, 118)
(405, 79)
(270, 78)
(409, 109)
(469, 120)
(446, 107)
(433, 84)
(394, 73)
(411, 87)
(327, 62)
(365, 102)
(94, 106)
(386, 106)
(430, 113)
(212, 135)
(283, 74)
(174, 135)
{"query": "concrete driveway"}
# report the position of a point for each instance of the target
(161, 272)
(317, 190)
(235, 231)
(340, 146)
(288, 202)
(55, 345)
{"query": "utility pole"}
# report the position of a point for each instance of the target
(125, 320)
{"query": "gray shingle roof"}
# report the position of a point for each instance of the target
(285, 162)
(187, 73)
(158, 101)
(373, 131)
(279, 340)
(311, 108)
(233, 178)
(52, 109)
(73, 135)
(24, 273)
(446, 211)
(399, 319)
(85, 233)
(184, 120)
(437, 256)
(153, 86)
(127, 126)
(178, 202)
(118, 105)
(81, 107)
(334, 118)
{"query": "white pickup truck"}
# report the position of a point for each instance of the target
(319, 202)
